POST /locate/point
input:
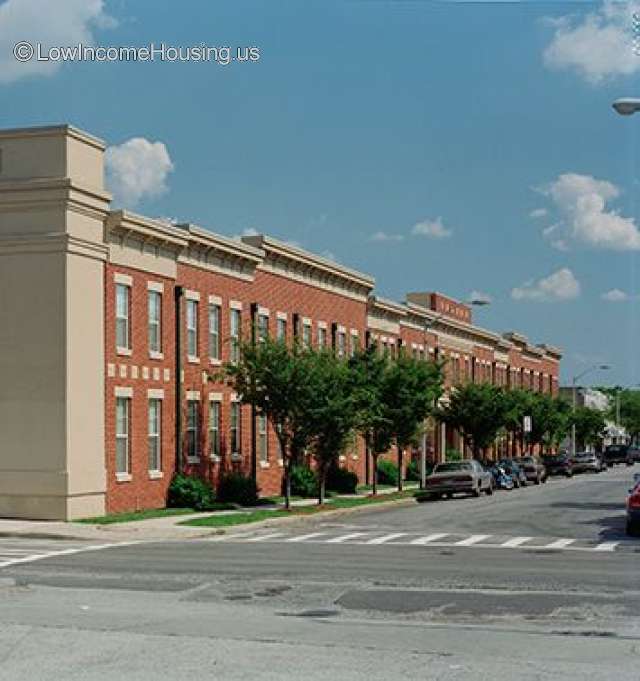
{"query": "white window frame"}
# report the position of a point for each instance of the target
(235, 334)
(322, 337)
(215, 313)
(235, 429)
(281, 328)
(263, 438)
(154, 435)
(192, 430)
(123, 319)
(262, 327)
(307, 331)
(342, 343)
(215, 407)
(153, 295)
(191, 314)
(123, 435)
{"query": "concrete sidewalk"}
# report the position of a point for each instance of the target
(168, 527)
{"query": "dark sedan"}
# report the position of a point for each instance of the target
(558, 465)
(615, 454)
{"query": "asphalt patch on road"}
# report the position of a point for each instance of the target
(479, 604)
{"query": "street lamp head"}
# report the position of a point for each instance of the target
(479, 302)
(626, 106)
(604, 367)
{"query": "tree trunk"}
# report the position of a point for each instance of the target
(322, 472)
(399, 468)
(374, 458)
(287, 486)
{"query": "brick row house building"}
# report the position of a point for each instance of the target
(114, 325)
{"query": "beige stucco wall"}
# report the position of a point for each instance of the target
(52, 210)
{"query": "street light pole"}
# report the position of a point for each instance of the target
(574, 381)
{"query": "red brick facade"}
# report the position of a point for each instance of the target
(309, 303)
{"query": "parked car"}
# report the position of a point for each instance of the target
(459, 476)
(634, 451)
(615, 454)
(501, 479)
(586, 462)
(515, 471)
(558, 465)
(534, 469)
(633, 511)
(602, 464)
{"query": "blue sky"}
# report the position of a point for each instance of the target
(411, 140)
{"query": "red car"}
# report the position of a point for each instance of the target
(633, 511)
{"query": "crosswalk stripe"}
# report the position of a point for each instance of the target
(386, 538)
(559, 544)
(304, 537)
(516, 541)
(345, 537)
(264, 537)
(473, 539)
(420, 541)
(606, 546)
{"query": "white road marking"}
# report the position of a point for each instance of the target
(559, 544)
(305, 537)
(34, 556)
(264, 537)
(345, 537)
(473, 539)
(606, 546)
(421, 541)
(515, 542)
(386, 538)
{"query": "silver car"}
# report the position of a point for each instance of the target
(454, 477)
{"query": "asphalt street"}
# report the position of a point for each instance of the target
(537, 583)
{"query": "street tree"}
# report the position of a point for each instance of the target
(274, 379)
(550, 420)
(369, 377)
(590, 425)
(410, 391)
(330, 416)
(517, 406)
(478, 412)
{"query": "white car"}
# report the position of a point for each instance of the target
(453, 477)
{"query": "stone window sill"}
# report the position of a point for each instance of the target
(125, 352)
(154, 354)
(156, 475)
(123, 477)
(193, 360)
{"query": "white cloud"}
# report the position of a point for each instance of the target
(329, 255)
(615, 295)
(598, 46)
(433, 229)
(137, 169)
(581, 201)
(538, 213)
(53, 24)
(561, 285)
(383, 236)
(480, 296)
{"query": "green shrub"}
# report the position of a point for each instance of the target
(341, 480)
(412, 470)
(387, 472)
(187, 491)
(304, 482)
(453, 455)
(237, 488)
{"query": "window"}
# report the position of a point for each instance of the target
(192, 328)
(281, 329)
(263, 327)
(214, 331)
(123, 407)
(342, 343)
(263, 440)
(355, 344)
(122, 316)
(235, 329)
(155, 316)
(235, 429)
(214, 429)
(155, 421)
(322, 337)
(306, 335)
(193, 450)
